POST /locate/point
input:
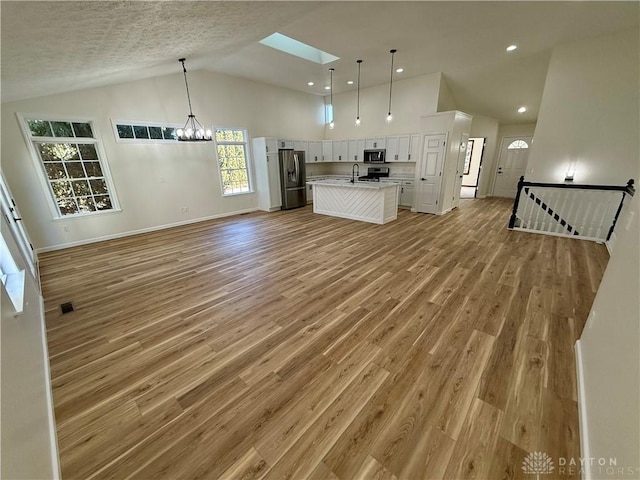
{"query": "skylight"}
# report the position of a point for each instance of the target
(297, 48)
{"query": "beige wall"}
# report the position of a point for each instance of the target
(190, 171)
(488, 128)
(610, 352)
(411, 99)
(28, 443)
(589, 112)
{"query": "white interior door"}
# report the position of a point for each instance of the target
(512, 164)
(430, 171)
(10, 211)
(457, 182)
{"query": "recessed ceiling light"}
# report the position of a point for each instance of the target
(399, 70)
(511, 48)
(310, 84)
(327, 88)
(350, 82)
(522, 109)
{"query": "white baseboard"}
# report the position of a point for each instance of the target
(582, 412)
(78, 243)
(53, 435)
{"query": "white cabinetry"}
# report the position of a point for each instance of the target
(315, 152)
(267, 169)
(375, 143)
(309, 193)
(302, 146)
(288, 144)
(327, 150)
(398, 148)
(414, 147)
(407, 193)
(355, 150)
(340, 150)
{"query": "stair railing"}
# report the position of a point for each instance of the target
(588, 212)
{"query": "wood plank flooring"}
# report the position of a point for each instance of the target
(294, 345)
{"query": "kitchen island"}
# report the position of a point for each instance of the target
(374, 202)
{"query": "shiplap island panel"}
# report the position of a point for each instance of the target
(365, 201)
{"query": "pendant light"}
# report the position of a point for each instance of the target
(331, 123)
(358, 121)
(192, 131)
(389, 116)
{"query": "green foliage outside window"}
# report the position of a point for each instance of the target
(232, 158)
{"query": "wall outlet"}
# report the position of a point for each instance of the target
(161, 179)
(184, 209)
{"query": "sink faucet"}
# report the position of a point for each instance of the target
(355, 170)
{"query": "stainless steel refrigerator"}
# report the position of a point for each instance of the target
(292, 179)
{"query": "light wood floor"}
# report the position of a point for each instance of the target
(295, 345)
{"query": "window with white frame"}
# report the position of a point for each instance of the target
(68, 152)
(231, 145)
(145, 132)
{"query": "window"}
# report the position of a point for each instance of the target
(136, 132)
(517, 145)
(231, 145)
(68, 153)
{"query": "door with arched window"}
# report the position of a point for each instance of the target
(512, 164)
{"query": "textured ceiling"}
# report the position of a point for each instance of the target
(50, 47)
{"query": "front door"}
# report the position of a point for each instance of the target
(430, 171)
(511, 166)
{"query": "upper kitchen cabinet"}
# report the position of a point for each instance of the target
(288, 144)
(414, 147)
(327, 150)
(398, 148)
(302, 146)
(355, 150)
(314, 151)
(340, 150)
(375, 143)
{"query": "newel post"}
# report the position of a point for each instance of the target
(630, 190)
(512, 220)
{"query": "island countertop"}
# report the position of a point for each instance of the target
(356, 184)
(375, 202)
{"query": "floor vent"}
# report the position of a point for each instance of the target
(66, 307)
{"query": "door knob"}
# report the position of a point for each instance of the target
(423, 179)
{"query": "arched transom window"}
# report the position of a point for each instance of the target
(518, 144)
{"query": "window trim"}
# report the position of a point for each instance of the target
(39, 166)
(248, 161)
(115, 122)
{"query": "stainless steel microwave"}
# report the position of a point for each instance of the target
(374, 156)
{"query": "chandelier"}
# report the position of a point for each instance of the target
(193, 131)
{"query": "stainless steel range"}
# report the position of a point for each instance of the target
(374, 174)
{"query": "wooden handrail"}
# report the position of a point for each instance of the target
(628, 189)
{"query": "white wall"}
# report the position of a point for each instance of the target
(589, 112)
(411, 98)
(190, 170)
(610, 353)
(28, 443)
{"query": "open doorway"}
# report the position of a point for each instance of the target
(472, 167)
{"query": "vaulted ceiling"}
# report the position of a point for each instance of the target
(52, 47)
